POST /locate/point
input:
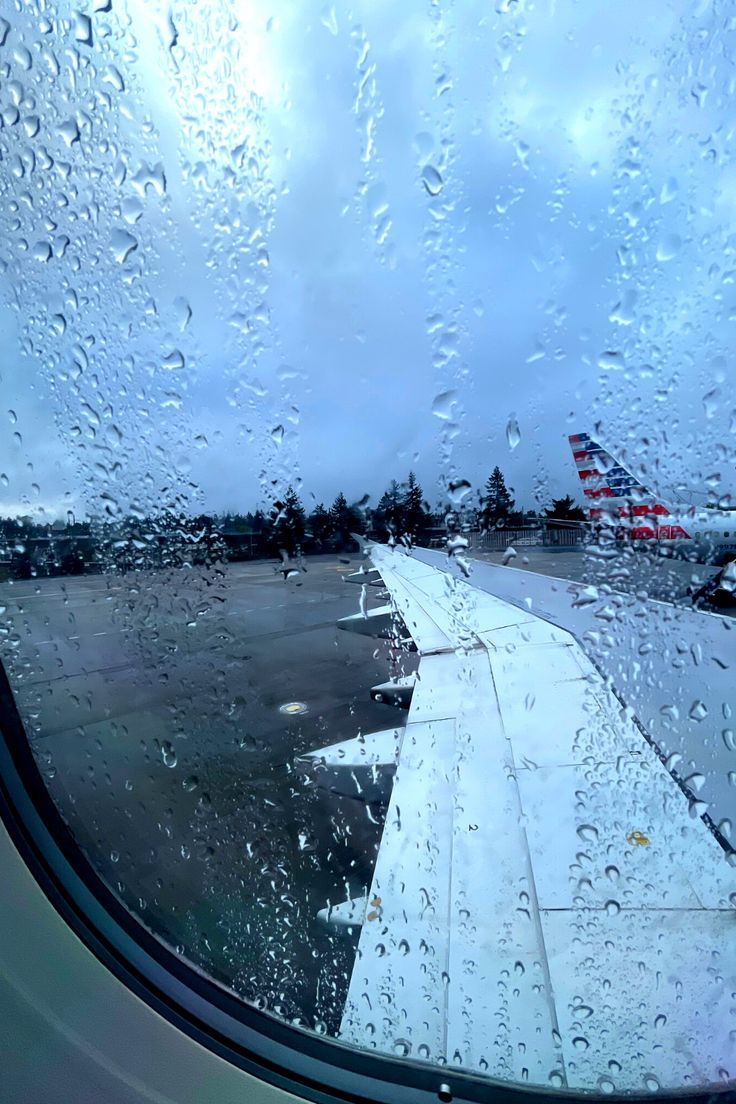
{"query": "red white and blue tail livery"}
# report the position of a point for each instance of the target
(617, 498)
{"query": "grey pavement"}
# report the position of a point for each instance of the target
(153, 706)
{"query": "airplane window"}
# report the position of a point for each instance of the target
(366, 375)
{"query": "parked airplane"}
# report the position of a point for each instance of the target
(545, 886)
(617, 499)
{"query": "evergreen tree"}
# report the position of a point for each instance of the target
(497, 502)
(345, 520)
(289, 523)
(320, 524)
(415, 515)
(389, 514)
(564, 509)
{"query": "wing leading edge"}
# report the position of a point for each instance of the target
(541, 898)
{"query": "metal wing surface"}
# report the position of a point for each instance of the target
(543, 908)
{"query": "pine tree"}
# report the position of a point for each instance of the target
(415, 515)
(498, 503)
(289, 523)
(564, 509)
(320, 523)
(389, 514)
(346, 520)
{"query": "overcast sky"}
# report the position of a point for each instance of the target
(331, 244)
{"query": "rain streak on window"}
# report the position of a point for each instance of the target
(366, 491)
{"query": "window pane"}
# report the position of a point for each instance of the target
(277, 276)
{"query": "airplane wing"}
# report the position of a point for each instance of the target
(543, 906)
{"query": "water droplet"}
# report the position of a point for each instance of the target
(328, 19)
(698, 711)
(23, 57)
(729, 739)
(669, 190)
(277, 434)
(611, 361)
(443, 404)
(123, 244)
(651, 1083)
(432, 180)
(69, 131)
(113, 76)
(456, 544)
(623, 313)
(606, 1085)
(149, 178)
(42, 251)
(423, 145)
(83, 28)
(168, 754)
(113, 435)
(513, 434)
(183, 312)
(588, 833)
(580, 1042)
(174, 360)
(457, 491)
(612, 908)
(189, 784)
(668, 247)
(660, 1020)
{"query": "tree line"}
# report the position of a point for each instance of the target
(402, 513)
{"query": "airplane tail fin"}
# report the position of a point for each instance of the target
(610, 488)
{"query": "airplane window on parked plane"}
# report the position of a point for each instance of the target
(366, 374)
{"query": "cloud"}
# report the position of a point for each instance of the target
(580, 158)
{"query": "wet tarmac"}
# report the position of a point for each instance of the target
(629, 570)
(154, 704)
(167, 710)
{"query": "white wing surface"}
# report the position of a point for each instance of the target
(544, 908)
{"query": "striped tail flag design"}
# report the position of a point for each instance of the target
(610, 490)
